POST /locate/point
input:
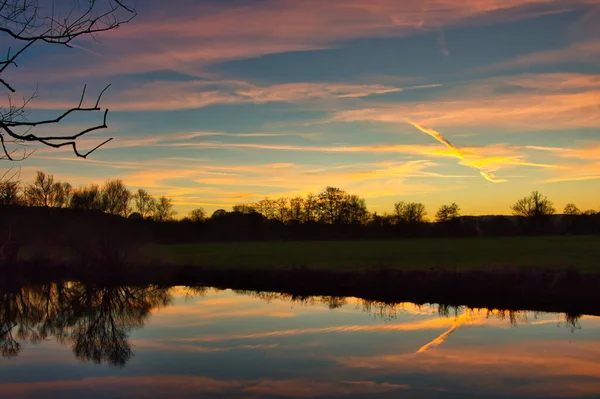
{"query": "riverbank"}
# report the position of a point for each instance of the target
(567, 291)
(553, 273)
(540, 253)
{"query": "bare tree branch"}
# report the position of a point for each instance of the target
(24, 22)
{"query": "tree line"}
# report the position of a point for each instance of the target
(332, 205)
(113, 197)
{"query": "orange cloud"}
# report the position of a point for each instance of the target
(588, 50)
(429, 324)
(583, 163)
(483, 164)
(168, 95)
(458, 321)
(200, 182)
(551, 101)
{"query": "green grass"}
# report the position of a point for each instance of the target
(560, 252)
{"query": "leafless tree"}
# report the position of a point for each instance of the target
(296, 209)
(116, 198)
(355, 210)
(87, 198)
(245, 209)
(310, 208)
(164, 209)
(447, 212)
(144, 203)
(266, 207)
(534, 205)
(44, 191)
(10, 188)
(331, 204)
(281, 209)
(410, 212)
(571, 209)
(26, 23)
(197, 215)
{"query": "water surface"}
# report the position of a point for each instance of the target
(73, 341)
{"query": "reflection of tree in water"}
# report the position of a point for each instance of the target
(389, 310)
(96, 321)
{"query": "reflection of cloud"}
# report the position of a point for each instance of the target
(182, 386)
(431, 324)
(460, 320)
(175, 346)
(570, 369)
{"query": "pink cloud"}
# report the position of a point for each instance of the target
(160, 39)
(165, 96)
(588, 50)
(555, 101)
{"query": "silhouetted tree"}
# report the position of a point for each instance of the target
(40, 191)
(62, 194)
(355, 210)
(197, 215)
(381, 220)
(87, 198)
(245, 209)
(219, 213)
(45, 192)
(331, 203)
(94, 320)
(164, 209)
(589, 212)
(296, 209)
(9, 193)
(311, 208)
(116, 198)
(447, 212)
(533, 206)
(410, 212)
(571, 209)
(144, 203)
(281, 209)
(25, 23)
(266, 207)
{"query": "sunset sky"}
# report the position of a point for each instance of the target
(220, 102)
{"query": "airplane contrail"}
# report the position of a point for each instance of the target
(459, 321)
(457, 153)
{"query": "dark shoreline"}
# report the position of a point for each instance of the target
(565, 291)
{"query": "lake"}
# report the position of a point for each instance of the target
(71, 340)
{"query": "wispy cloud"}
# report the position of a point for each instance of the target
(588, 50)
(185, 386)
(484, 165)
(169, 96)
(160, 39)
(577, 163)
(458, 321)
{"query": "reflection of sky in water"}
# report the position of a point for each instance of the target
(226, 345)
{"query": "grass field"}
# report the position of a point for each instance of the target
(556, 252)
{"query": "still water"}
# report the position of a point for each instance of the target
(75, 341)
